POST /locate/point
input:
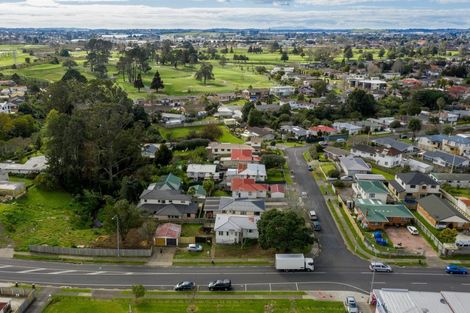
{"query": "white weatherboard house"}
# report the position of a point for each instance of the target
(202, 171)
(232, 229)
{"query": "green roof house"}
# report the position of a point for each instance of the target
(169, 182)
(371, 189)
(198, 191)
(374, 214)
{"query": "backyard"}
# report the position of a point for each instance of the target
(180, 133)
(79, 305)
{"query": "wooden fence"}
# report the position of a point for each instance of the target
(99, 252)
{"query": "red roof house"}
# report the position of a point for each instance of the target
(247, 188)
(322, 129)
(243, 155)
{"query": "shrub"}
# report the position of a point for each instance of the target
(333, 173)
(192, 144)
(447, 235)
(273, 160)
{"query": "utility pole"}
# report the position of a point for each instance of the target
(117, 233)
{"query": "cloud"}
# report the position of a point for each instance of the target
(124, 14)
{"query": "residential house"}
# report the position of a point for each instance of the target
(352, 165)
(7, 107)
(441, 214)
(456, 145)
(458, 180)
(197, 191)
(417, 166)
(463, 204)
(444, 159)
(203, 171)
(374, 214)
(373, 126)
(282, 91)
(12, 189)
(321, 130)
(247, 188)
(369, 177)
(395, 144)
(351, 129)
(233, 229)
(256, 143)
(229, 205)
(167, 204)
(240, 156)
(225, 149)
(265, 133)
(33, 166)
(167, 235)
(295, 131)
(255, 94)
(149, 150)
(247, 170)
(334, 153)
(370, 189)
(167, 182)
(172, 118)
(385, 157)
(413, 185)
(277, 191)
(430, 143)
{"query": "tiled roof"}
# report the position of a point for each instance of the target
(246, 184)
(241, 155)
(416, 178)
(376, 211)
(169, 230)
(440, 209)
(372, 186)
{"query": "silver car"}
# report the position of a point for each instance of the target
(351, 305)
(380, 267)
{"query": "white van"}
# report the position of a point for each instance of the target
(462, 243)
(313, 215)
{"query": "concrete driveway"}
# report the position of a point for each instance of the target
(411, 243)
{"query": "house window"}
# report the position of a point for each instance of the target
(221, 233)
(242, 213)
(188, 214)
(372, 195)
(227, 233)
(423, 187)
(433, 187)
(250, 230)
(412, 186)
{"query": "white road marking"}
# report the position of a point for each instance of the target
(62, 272)
(419, 283)
(379, 282)
(5, 266)
(31, 270)
(96, 273)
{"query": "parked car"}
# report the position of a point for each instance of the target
(224, 284)
(346, 178)
(316, 225)
(303, 194)
(310, 168)
(194, 247)
(185, 286)
(351, 304)
(313, 215)
(340, 140)
(456, 269)
(380, 267)
(462, 243)
(413, 230)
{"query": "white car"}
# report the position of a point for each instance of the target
(194, 247)
(303, 194)
(412, 230)
(380, 267)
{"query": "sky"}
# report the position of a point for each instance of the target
(239, 14)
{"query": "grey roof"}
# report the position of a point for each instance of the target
(438, 208)
(392, 143)
(451, 176)
(364, 148)
(166, 194)
(231, 204)
(169, 209)
(416, 178)
(397, 186)
(354, 163)
(336, 151)
(447, 157)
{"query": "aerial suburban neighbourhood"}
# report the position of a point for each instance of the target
(234, 156)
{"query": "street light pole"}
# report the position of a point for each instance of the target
(117, 233)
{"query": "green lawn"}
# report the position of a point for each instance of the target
(457, 192)
(387, 175)
(42, 217)
(327, 167)
(180, 133)
(249, 250)
(275, 175)
(79, 305)
(183, 254)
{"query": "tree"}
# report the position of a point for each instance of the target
(348, 52)
(157, 82)
(448, 130)
(434, 120)
(362, 102)
(208, 186)
(284, 56)
(381, 52)
(334, 173)
(163, 156)
(395, 124)
(415, 126)
(128, 217)
(441, 103)
(223, 61)
(205, 72)
(211, 132)
(74, 74)
(447, 235)
(247, 107)
(320, 87)
(256, 118)
(138, 83)
(273, 160)
(138, 291)
(98, 53)
(284, 231)
(69, 63)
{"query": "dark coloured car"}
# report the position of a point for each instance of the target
(185, 286)
(310, 168)
(316, 225)
(456, 269)
(224, 284)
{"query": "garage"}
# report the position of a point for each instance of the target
(167, 235)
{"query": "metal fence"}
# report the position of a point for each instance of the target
(197, 123)
(91, 251)
(437, 243)
(27, 302)
(28, 294)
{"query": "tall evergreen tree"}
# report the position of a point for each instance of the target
(138, 83)
(157, 82)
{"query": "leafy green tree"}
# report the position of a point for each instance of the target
(211, 132)
(205, 72)
(98, 54)
(157, 82)
(69, 63)
(247, 107)
(320, 87)
(163, 156)
(284, 56)
(381, 53)
(395, 124)
(138, 291)
(273, 160)
(209, 186)
(74, 74)
(448, 130)
(223, 61)
(415, 125)
(447, 235)
(256, 118)
(138, 83)
(128, 216)
(284, 231)
(362, 102)
(348, 52)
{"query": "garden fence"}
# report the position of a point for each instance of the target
(91, 251)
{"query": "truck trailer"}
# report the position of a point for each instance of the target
(294, 262)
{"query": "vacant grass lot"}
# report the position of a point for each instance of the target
(327, 167)
(42, 217)
(180, 133)
(387, 175)
(79, 305)
(249, 250)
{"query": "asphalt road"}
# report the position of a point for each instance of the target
(336, 267)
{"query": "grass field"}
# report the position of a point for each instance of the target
(387, 175)
(457, 192)
(42, 217)
(7, 54)
(327, 167)
(79, 305)
(180, 133)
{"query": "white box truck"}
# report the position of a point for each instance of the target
(294, 262)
